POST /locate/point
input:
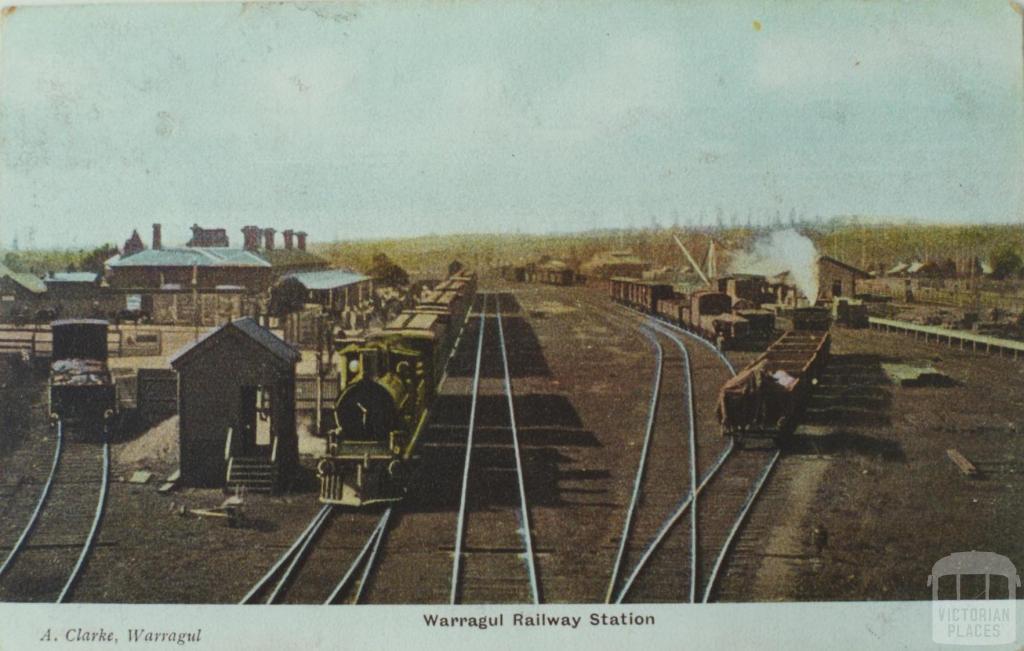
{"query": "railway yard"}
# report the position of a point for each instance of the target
(594, 455)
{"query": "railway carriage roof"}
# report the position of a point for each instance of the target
(414, 320)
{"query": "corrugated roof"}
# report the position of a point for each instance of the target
(327, 279)
(190, 257)
(72, 277)
(249, 327)
(30, 282)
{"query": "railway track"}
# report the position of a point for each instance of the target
(493, 559)
(664, 472)
(337, 556)
(712, 524)
(297, 573)
(48, 558)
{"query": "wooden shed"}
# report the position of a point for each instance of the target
(836, 278)
(236, 402)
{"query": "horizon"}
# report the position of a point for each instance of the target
(826, 227)
(369, 122)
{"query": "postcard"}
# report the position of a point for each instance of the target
(511, 324)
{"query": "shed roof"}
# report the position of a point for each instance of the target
(190, 257)
(29, 282)
(251, 329)
(72, 277)
(327, 279)
(840, 263)
(553, 265)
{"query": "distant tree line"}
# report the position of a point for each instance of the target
(42, 262)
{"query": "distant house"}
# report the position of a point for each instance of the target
(614, 263)
(19, 292)
(837, 278)
(549, 271)
(72, 284)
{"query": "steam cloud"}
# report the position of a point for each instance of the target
(784, 250)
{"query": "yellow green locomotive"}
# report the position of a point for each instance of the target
(390, 379)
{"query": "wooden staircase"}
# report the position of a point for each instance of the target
(251, 475)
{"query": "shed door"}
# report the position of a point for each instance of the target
(255, 420)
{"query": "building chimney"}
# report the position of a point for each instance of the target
(250, 238)
(157, 239)
(268, 239)
(289, 237)
(301, 237)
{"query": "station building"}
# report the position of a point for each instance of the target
(209, 263)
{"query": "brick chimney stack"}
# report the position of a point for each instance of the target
(251, 238)
(268, 238)
(289, 239)
(301, 237)
(157, 239)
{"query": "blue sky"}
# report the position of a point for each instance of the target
(381, 119)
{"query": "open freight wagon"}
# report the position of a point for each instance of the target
(767, 398)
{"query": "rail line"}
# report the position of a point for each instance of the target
(61, 502)
(275, 583)
(273, 586)
(457, 589)
(634, 499)
(19, 544)
(278, 581)
(688, 502)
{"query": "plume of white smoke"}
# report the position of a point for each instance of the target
(783, 250)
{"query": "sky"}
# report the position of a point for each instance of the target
(384, 119)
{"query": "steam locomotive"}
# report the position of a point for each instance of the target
(81, 390)
(390, 379)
